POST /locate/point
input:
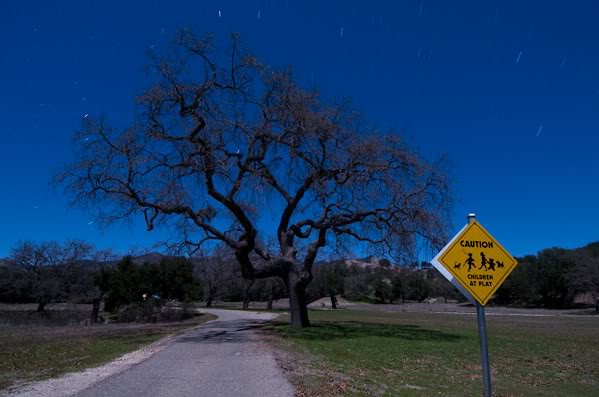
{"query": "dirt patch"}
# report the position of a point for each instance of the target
(307, 373)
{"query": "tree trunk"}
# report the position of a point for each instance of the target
(333, 301)
(246, 294)
(209, 301)
(41, 306)
(95, 309)
(298, 307)
(271, 294)
(597, 304)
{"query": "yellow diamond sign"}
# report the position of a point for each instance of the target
(475, 263)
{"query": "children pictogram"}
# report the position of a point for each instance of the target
(486, 264)
(470, 262)
(483, 261)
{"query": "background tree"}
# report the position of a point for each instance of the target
(584, 278)
(418, 288)
(329, 280)
(215, 274)
(223, 142)
(49, 271)
(552, 278)
(247, 293)
(522, 286)
(439, 286)
(170, 278)
(123, 284)
(398, 286)
(381, 284)
(554, 265)
(128, 282)
(355, 284)
(275, 290)
(101, 277)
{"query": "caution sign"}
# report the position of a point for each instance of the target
(475, 263)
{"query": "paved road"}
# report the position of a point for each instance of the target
(223, 358)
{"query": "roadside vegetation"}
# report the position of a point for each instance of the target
(74, 272)
(360, 353)
(34, 352)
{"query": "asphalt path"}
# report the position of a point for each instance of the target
(223, 358)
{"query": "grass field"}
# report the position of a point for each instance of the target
(31, 353)
(361, 353)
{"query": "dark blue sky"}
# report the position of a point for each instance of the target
(508, 90)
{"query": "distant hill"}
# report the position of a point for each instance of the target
(150, 257)
(155, 257)
(370, 262)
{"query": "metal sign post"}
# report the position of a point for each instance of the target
(484, 351)
(482, 335)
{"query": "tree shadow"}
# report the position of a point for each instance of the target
(238, 331)
(355, 329)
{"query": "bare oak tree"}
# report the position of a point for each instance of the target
(226, 149)
(215, 273)
(52, 271)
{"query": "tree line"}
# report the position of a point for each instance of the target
(553, 278)
(379, 282)
(75, 272)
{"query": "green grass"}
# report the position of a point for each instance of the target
(35, 353)
(359, 353)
